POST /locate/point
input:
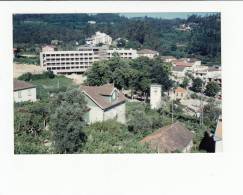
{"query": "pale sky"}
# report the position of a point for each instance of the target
(167, 15)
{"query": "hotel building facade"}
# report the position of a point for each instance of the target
(64, 62)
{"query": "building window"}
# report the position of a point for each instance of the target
(19, 94)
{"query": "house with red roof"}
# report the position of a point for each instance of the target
(172, 138)
(180, 93)
(104, 102)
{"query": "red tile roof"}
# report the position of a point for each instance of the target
(180, 90)
(182, 62)
(20, 85)
(171, 138)
(98, 95)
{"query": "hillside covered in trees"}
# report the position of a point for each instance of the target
(202, 41)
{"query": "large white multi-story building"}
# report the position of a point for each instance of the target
(69, 61)
(99, 38)
(79, 61)
(123, 53)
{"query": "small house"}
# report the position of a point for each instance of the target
(172, 138)
(24, 91)
(104, 102)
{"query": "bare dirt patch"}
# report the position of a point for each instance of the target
(78, 79)
(20, 69)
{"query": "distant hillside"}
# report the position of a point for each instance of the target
(202, 41)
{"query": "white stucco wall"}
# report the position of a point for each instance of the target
(117, 112)
(95, 114)
(155, 96)
(25, 95)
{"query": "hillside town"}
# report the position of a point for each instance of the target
(100, 97)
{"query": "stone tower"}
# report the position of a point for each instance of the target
(155, 96)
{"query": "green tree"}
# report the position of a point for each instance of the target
(99, 74)
(30, 117)
(160, 74)
(67, 121)
(25, 77)
(185, 82)
(197, 85)
(212, 89)
(211, 113)
(142, 125)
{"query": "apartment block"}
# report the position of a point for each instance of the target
(123, 53)
(80, 60)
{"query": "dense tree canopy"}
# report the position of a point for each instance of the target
(162, 35)
(197, 85)
(212, 89)
(67, 121)
(137, 74)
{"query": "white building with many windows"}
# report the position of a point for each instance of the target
(148, 53)
(24, 91)
(123, 53)
(99, 38)
(80, 60)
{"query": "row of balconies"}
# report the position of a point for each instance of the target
(67, 68)
(67, 59)
(63, 64)
(68, 55)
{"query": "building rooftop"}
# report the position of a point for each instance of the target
(212, 69)
(182, 62)
(178, 68)
(20, 85)
(168, 57)
(99, 95)
(171, 138)
(180, 90)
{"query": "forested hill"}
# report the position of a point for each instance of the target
(203, 40)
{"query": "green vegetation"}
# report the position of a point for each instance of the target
(112, 137)
(27, 60)
(211, 113)
(203, 41)
(137, 74)
(185, 82)
(47, 83)
(212, 89)
(30, 127)
(67, 121)
(197, 85)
